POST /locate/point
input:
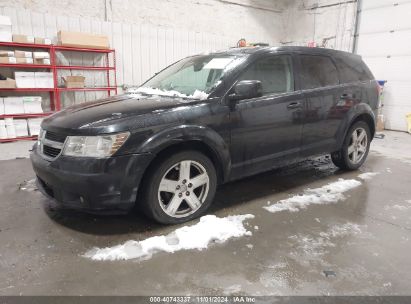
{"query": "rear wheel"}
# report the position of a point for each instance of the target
(355, 147)
(179, 188)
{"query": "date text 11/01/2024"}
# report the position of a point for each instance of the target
(202, 299)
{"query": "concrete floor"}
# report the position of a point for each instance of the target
(41, 248)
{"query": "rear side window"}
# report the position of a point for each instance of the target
(318, 71)
(274, 72)
(353, 70)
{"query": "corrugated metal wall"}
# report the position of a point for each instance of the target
(385, 45)
(142, 49)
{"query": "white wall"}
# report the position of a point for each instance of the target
(147, 35)
(328, 23)
(385, 45)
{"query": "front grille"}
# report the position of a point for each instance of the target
(55, 136)
(50, 151)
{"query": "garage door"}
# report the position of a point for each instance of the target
(384, 42)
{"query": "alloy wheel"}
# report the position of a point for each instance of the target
(183, 188)
(358, 145)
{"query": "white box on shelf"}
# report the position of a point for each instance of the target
(41, 55)
(25, 79)
(6, 36)
(20, 126)
(34, 126)
(6, 53)
(1, 106)
(32, 104)
(3, 130)
(25, 60)
(5, 29)
(10, 129)
(23, 54)
(44, 80)
(13, 105)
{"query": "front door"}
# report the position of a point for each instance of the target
(266, 131)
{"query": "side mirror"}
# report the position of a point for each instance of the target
(246, 89)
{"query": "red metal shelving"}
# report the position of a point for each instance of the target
(4, 140)
(26, 65)
(28, 89)
(55, 98)
(25, 115)
(27, 45)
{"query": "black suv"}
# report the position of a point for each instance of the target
(203, 121)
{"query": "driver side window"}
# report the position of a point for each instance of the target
(274, 72)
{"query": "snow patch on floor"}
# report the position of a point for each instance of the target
(314, 246)
(398, 206)
(368, 175)
(328, 194)
(199, 236)
(29, 185)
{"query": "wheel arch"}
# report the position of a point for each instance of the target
(361, 112)
(189, 137)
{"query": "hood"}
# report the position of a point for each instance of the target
(102, 112)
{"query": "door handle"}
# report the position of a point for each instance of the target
(294, 105)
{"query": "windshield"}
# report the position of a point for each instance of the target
(193, 77)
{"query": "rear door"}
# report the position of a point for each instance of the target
(320, 85)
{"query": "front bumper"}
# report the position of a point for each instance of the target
(91, 184)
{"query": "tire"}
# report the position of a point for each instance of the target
(353, 153)
(170, 195)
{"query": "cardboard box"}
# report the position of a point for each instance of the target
(32, 104)
(13, 105)
(5, 29)
(24, 60)
(38, 40)
(34, 126)
(11, 60)
(25, 79)
(41, 61)
(44, 80)
(7, 84)
(20, 126)
(41, 55)
(83, 40)
(7, 54)
(23, 38)
(74, 81)
(23, 54)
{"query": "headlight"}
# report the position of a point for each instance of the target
(40, 136)
(94, 146)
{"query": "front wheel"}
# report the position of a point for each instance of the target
(179, 188)
(355, 147)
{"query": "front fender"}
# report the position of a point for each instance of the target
(184, 133)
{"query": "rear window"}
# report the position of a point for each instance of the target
(353, 70)
(318, 71)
